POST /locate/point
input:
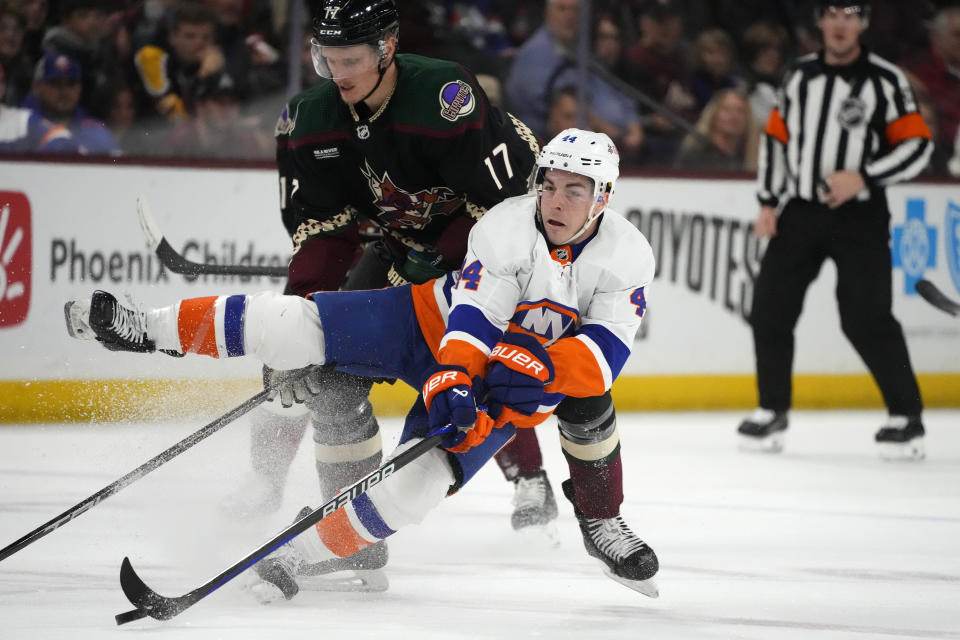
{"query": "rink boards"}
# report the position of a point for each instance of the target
(69, 228)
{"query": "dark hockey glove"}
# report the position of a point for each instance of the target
(448, 396)
(292, 385)
(417, 268)
(450, 401)
(519, 370)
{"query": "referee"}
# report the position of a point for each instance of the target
(846, 126)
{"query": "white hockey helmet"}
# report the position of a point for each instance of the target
(586, 153)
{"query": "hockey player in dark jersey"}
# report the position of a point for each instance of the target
(413, 145)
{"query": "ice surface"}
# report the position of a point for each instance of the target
(823, 540)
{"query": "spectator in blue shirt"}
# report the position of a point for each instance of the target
(541, 65)
(56, 96)
(612, 111)
(22, 130)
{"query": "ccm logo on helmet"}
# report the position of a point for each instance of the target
(521, 358)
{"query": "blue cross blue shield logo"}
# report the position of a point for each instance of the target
(951, 242)
(914, 245)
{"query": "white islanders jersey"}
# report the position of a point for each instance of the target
(584, 302)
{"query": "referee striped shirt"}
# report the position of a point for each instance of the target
(860, 117)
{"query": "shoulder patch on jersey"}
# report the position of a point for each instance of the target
(456, 100)
(287, 121)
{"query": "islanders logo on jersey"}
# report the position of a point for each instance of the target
(401, 209)
(456, 100)
(544, 318)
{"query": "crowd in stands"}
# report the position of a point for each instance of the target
(177, 78)
(207, 78)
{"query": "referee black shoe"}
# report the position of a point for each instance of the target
(901, 438)
(763, 430)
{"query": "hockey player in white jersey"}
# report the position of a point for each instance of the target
(539, 320)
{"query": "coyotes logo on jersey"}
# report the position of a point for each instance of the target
(400, 209)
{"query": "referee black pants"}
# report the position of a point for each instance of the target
(856, 237)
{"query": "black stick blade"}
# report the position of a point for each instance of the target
(934, 296)
(147, 601)
(150, 603)
(129, 616)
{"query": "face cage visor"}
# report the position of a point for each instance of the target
(341, 62)
(599, 189)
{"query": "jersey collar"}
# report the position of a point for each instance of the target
(567, 253)
(845, 70)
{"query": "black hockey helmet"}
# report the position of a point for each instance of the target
(341, 23)
(858, 6)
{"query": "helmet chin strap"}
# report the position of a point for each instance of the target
(383, 72)
(579, 233)
(598, 191)
(587, 223)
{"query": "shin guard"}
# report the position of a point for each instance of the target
(591, 445)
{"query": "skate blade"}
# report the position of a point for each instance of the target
(909, 451)
(647, 587)
(771, 444)
(265, 592)
(541, 534)
(359, 580)
(76, 313)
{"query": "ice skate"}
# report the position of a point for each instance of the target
(285, 572)
(77, 315)
(625, 557)
(764, 430)
(901, 438)
(258, 495)
(363, 571)
(275, 577)
(117, 327)
(534, 507)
